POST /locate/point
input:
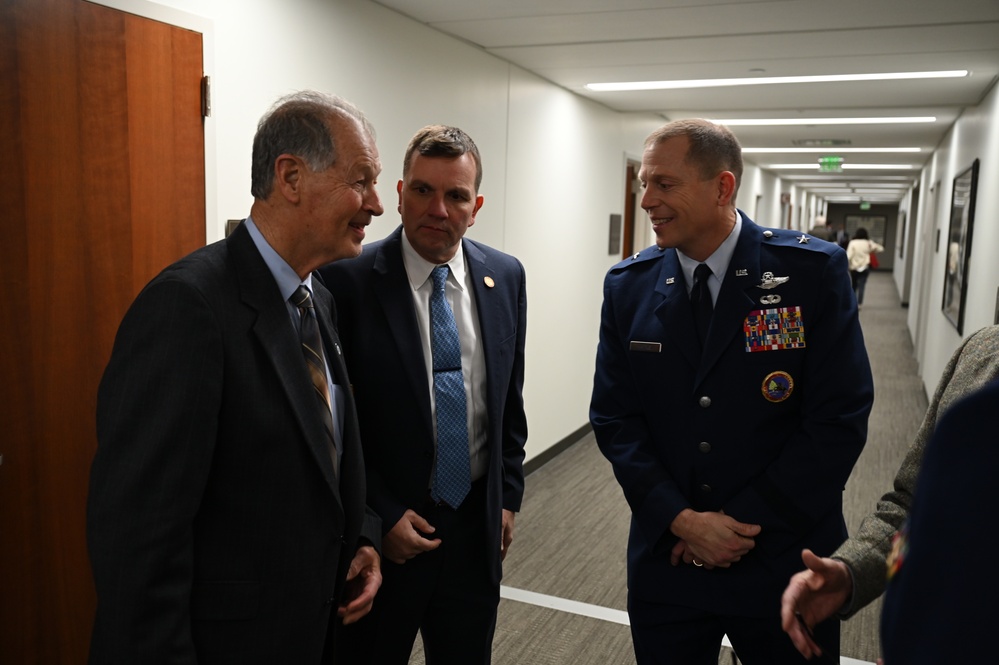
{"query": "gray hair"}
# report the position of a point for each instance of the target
(298, 124)
(712, 149)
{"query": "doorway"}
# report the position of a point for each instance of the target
(109, 189)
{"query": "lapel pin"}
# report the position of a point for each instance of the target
(670, 280)
(741, 272)
(489, 281)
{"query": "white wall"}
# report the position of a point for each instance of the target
(974, 136)
(553, 163)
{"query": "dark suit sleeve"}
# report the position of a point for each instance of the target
(804, 483)
(156, 427)
(514, 417)
(937, 605)
(622, 428)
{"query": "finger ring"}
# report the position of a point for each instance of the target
(696, 563)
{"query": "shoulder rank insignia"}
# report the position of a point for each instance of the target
(769, 281)
(802, 239)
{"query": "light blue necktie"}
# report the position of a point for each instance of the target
(452, 474)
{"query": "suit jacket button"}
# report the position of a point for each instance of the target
(704, 401)
(706, 488)
(704, 447)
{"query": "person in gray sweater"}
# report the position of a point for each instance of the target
(855, 574)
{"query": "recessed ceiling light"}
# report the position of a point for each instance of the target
(768, 80)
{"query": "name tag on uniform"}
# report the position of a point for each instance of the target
(645, 347)
(774, 329)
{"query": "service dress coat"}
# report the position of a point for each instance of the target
(765, 425)
(382, 344)
(216, 528)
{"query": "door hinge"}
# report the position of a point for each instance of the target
(206, 96)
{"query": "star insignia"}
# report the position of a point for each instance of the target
(803, 239)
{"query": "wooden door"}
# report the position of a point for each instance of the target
(102, 186)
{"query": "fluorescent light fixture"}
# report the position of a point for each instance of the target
(766, 122)
(851, 190)
(827, 150)
(866, 179)
(879, 167)
(853, 184)
(814, 167)
(769, 80)
(858, 197)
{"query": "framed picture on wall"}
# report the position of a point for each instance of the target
(962, 221)
(901, 234)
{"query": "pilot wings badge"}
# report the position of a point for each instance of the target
(770, 282)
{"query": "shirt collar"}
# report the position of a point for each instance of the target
(719, 259)
(285, 276)
(418, 269)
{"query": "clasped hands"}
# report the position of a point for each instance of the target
(711, 540)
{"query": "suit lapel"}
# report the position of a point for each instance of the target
(276, 334)
(733, 300)
(487, 305)
(390, 285)
(674, 312)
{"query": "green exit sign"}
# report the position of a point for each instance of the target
(865, 205)
(833, 164)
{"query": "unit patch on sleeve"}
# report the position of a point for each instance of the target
(774, 329)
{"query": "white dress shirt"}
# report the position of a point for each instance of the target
(460, 296)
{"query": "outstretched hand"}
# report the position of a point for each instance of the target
(815, 594)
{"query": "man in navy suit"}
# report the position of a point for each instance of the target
(226, 519)
(443, 557)
(732, 422)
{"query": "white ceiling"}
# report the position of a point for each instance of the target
(575, 42)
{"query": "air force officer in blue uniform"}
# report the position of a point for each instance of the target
(732, 445)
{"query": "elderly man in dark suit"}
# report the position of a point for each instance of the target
(731, 397)
(853, 576)
(226, 515)
(433, 327)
